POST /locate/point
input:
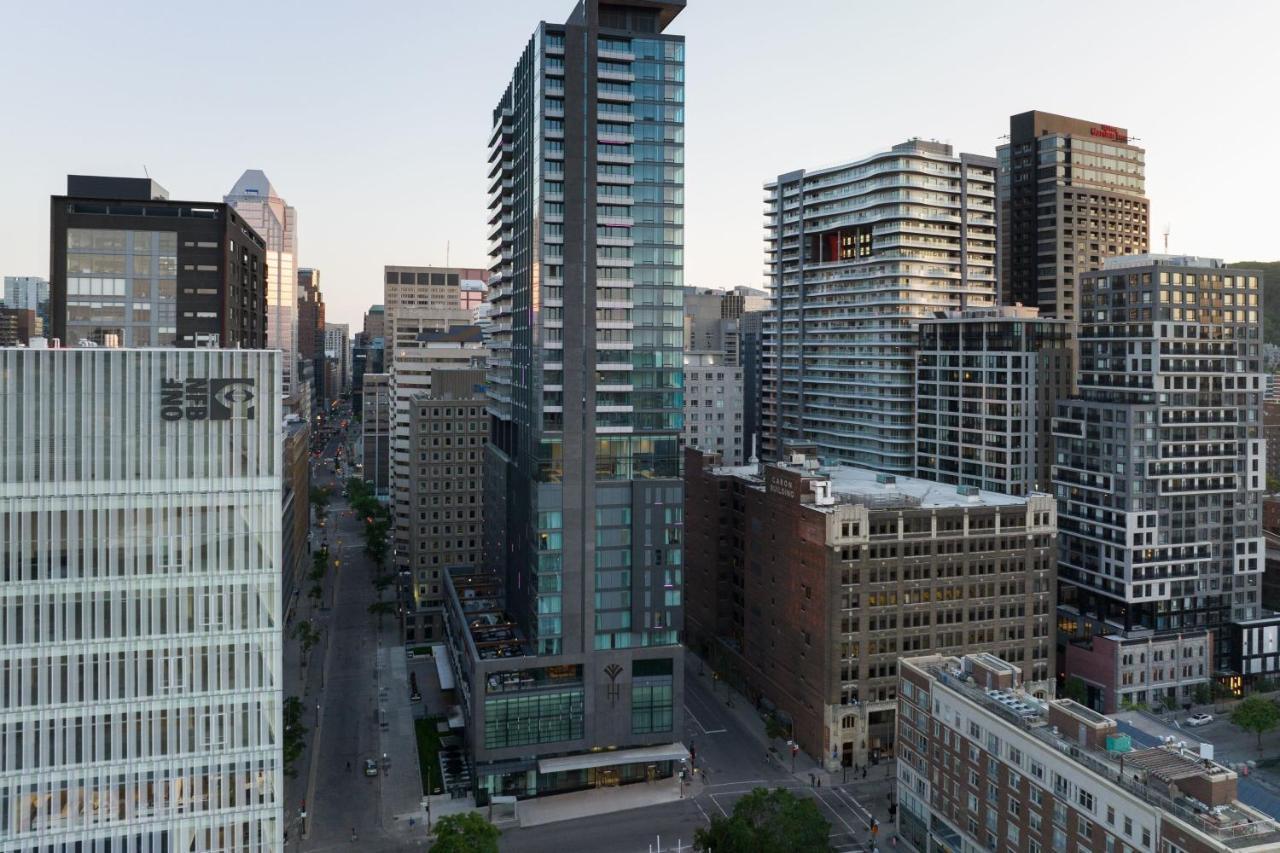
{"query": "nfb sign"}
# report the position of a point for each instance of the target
(206, 399)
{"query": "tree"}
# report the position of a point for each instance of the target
(1076, 690)
(467, 832)
(307, 636)
(773, 728)
(320, 498)
(1170, 702)
(766, 821)
(1256, 715)
(382, 608)
(1203, 694)
(294, 732)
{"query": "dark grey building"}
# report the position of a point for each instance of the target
(988, 381)
(586, 337)
(129, 267)
(1159, 467)
(1070, 194)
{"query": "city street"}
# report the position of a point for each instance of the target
(341, 691)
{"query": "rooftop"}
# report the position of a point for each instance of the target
(481, 599)
(1163, 775)
(1121, 262)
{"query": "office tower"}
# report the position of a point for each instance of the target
(412, 375)
(711, 318)
(18, 326)
(985, 765)
(422, 299)
(365, 358)
(311, 334)
(31, 293)
(1070, 194)
(987, 384)
(375, 432)
(255, 199)
(586, 205)
(337, 349)
(472, 290)
(448, 429)
(806, 584)
(375, 323)
(128, 266)
(713, 393)
(1159, 470)
(857, 255)
(141, 611)
(751, 344)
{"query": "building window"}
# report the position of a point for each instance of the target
(652, 692)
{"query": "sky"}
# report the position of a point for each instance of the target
(372, 118)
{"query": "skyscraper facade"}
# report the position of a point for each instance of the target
(586, 189)
(857, 255)
(311, 334)
(30, 293)
(337, 349)
(988, 381)
(255, 199)
(1070, 194)
(421, 299)
(1159, 461)
(128, 267)
(140, 574)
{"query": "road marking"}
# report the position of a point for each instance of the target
(717, 804)
(743, 782)
(834, 811)
(840, 793)
(704, 811)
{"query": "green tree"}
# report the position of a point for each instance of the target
(1256, 715)
(467, 832)
(382, 608)
(1076, 690)
(1203, 694)
(320, 497)
(773, 728)
(766, 821)
(294, 733)
(307, 636)
(1170, 702)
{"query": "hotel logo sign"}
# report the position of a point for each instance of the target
(207, 399)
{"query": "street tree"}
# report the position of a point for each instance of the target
(766, 821)
(1256, 715)
(380, 609)
(467, 832)
(1202, 694)
(307, 636)
(294, 733)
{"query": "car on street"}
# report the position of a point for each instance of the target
(1199, 720)
(370, 767)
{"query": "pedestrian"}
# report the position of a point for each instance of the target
(348, 766)
(864, 772)
(819, 781)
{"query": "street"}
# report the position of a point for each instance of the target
(340, 690)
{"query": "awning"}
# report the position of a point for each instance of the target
(640, 755)
(442, 667)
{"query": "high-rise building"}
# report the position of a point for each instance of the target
(586, 189)
(713, 392)
(311, 334)
(857, 255)
(751, 356)
(988, 381)
(140, 618)
(413, 375)
(1159, 466)
(337, 349)
(422, 299)
(365, 358)
(375, 432)
(31, 293)
(1071, 193)
(18, 326)
(448, 429)
(131, 268)
(711, 318)
(806, 584)
(375, 323)
(983, 764)
(255, 199)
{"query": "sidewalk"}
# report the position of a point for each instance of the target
(598, 801)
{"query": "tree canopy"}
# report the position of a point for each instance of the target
(464, 833)
(1256, 715)
(767, 821)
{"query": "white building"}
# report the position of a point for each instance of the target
(337, 347)
(257, 201)
(713, 406)
(857, 255)
(140, 637)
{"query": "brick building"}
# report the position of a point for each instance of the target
(804, 585)
(985, 765)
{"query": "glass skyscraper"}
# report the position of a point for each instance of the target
(585, 383)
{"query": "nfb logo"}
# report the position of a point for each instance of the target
(206, 399)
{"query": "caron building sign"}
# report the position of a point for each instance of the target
(206, 399)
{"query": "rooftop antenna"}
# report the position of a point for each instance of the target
(446, 254)
(145, 172)
(1166, 238)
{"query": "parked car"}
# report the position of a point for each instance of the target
(1199, 719)
(370, 767)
